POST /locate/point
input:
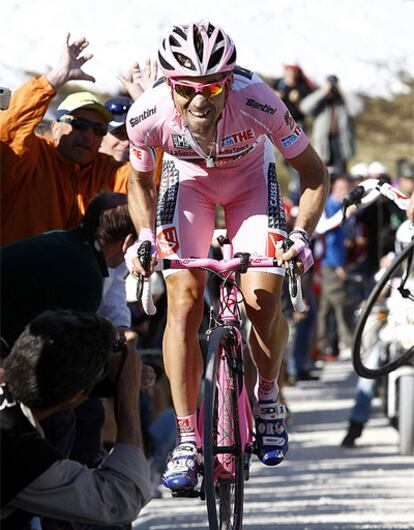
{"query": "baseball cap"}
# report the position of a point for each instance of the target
(376, 168)
(82, 100)
(359, 171)
(118, 107)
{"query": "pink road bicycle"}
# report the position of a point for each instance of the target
(225, 417)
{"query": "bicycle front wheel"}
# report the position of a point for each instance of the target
(223, 455)
(387, 318)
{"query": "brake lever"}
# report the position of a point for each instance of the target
(144, 256)
(286, 244)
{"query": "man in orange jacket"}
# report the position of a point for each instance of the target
(47, 183)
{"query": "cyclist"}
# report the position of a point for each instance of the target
(216, 124)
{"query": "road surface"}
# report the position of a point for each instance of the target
(321, 485)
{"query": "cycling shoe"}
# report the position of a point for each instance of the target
(182, 468)
(271, 433)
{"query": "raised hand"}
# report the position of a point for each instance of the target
(136, 82)
(71, 63)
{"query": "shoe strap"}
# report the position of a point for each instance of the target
(183, 458)
(184, 451)
(272, 411)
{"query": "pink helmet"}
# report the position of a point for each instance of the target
(195, 50)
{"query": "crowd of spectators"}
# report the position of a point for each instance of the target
(347, 256)
(65, 227)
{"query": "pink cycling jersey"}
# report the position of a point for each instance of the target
(241, 177)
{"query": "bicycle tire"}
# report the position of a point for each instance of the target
(369, 321)
(224, 496)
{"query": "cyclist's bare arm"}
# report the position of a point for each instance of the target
(142, 203)
(314, 183)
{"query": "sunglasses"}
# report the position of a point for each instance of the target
(82, 124)
(118, 108)
(188, 90)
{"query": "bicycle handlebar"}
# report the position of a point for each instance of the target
(368, 192)
(222, 266)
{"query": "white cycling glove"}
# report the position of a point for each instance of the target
(301, 243)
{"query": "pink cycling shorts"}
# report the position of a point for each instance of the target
(249, 194)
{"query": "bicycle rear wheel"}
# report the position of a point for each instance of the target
(223, 455)
(387, 316)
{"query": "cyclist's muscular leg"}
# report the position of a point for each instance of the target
(183, 365)
(182, 354)
(268, 338)
(269, 333)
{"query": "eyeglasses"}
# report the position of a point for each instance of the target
(82, 124)
(188, 90)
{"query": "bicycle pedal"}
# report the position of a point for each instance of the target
(246, 463)
(189, 493)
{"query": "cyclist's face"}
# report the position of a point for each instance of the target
(201, 112)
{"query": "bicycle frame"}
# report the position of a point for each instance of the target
(229, 317)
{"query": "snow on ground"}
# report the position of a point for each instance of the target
(366, 43)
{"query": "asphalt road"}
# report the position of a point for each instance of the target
(320, 486)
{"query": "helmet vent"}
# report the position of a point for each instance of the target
(210, 29)
(215, 58)
(184, 61)
(232, 59)
(164, 63)
(180, 32)
(198, 43)
(173, 41)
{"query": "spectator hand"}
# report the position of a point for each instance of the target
(71, 63)
(137, 82)
(148, 377)
(341, 273)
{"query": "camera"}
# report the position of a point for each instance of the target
(119, 347)
(5, 94)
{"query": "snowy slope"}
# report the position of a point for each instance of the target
(367, 43)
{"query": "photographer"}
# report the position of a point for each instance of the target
(332, 130)
(52, 367)
(67, 269)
